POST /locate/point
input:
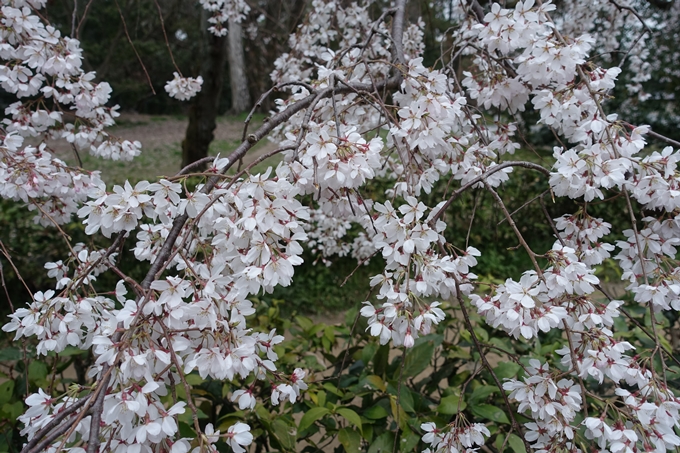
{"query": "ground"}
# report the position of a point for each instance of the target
(161, 138)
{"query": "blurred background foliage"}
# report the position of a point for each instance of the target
(370, 384)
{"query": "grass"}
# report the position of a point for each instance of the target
(165, 156)
(149, 165)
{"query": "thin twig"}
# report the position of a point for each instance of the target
(482, 177)
(16, 271)
(74, 16)
(537, 197)
(487, 365)
(195, 164)
(57, 420)
(82, 19)
(520, 238)
(663, 138)
(139, 58)
(165, 35)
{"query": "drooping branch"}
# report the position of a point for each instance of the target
(481, 178)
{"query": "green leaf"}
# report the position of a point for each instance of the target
(457, 379)
(194, 379)
(451, 404)
(186, 430)
(224, 422)
(261, 412)
(481, 393)
(481, 334)
(376, 382)
(380, 360)
(503, 343)
(188, 416)
(284, 433)
(320, 398)
(350, 416)
(517, 444)
(490, 412)
(312, 415)
(6, 391)
(329, 332)
(398, 413)
(506, 370)
(368, 352)
(383, 444)
(333, 389)
(10, 354)
(350, 440)
(13, 410)
(37, 371)
(456, 352)
(72, 350)
(409, 440)
(368, 433)
(304, 322)
(405, 398)
(418, 358)
(375, 413)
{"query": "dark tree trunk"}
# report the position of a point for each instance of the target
(203, 111)
(240, 97)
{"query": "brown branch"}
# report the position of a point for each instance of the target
(635, 13)
(97, 409)
(264, 96)
(56, 421)
(537, 197)
(663, 138)
(198, 163)
(82, 19)
(49, 438)
(6, 254)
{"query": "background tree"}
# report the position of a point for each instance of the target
(204, 108)
(238, 80)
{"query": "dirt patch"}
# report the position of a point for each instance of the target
(160, 131)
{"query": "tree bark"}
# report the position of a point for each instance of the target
(240, 96)
(203, 111)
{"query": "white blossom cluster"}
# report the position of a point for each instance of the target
(414, 273)
(38, 61)
(42, 68)
(214, 246)
(553, 405)
(183, 88)
(222, 11)
(538, 304)
(327, 22)
(454, 439)
(654, 275)
(582, 233)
